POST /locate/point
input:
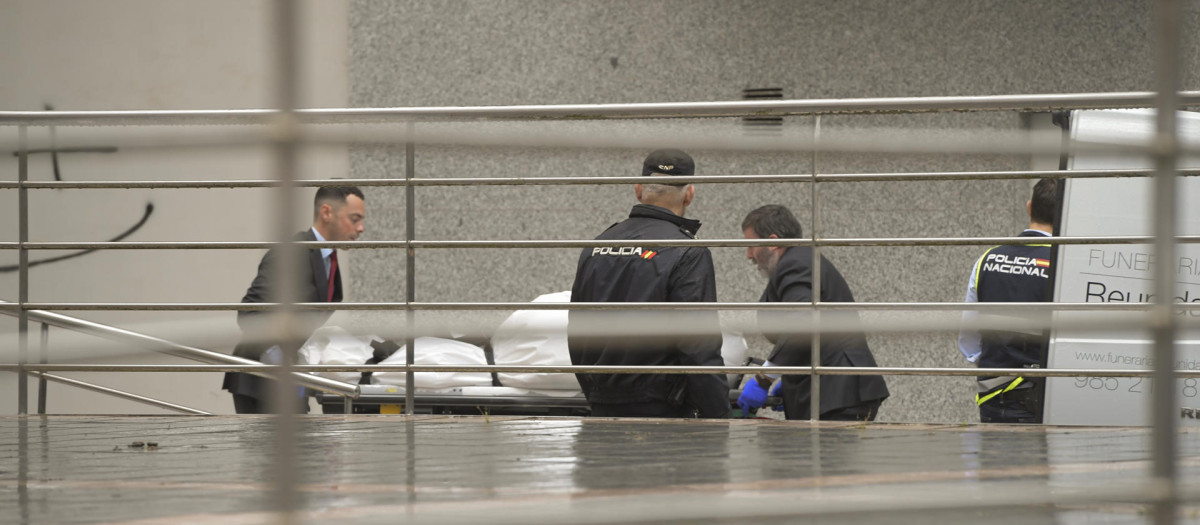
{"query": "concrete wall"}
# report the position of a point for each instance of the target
(150, 55)
(432, 53)
(143, 54)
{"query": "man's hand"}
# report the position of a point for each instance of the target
(753, 396)
(776, 393)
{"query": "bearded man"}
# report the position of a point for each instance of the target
(789, 279)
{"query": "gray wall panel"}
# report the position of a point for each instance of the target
(541, 52)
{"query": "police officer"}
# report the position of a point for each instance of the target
(1014, 273)
(650, 273)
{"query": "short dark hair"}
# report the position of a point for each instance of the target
(333, 194)
(773, 219)
(1044, 202)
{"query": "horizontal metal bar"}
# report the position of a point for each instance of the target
(567, 181)
(477, 400)
(784, 370)
(590, 243)
(1097, 317)
(747, 108)
(822, 305)
(475, 306)
(857, 141)
(156, 344)
(118, 393)
(483, 400)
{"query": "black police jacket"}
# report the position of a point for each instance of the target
(648, 273)
(1014, 274)
(791, 281)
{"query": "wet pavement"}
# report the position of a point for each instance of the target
(455, 469)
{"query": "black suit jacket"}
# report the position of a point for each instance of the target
(312, 286)
(792, 282)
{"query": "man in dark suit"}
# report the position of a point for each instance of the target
(789, 274)
(338, 214)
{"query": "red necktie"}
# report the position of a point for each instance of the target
(332, 273)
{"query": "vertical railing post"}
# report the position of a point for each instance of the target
(44, 358)
(815, 379)
(283, 401)
(1163, 409)
(23, 468)
(410, 273)
(23, 264)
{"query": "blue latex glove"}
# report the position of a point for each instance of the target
(775, 392)
(753, 396)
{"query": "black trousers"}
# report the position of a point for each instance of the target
(1022, 405)
(865, 411)
(1006, 409)
(244, 404)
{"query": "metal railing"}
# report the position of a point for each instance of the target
(27, 310)
(43, 377)
(567, 181)
(154, 344)
(600, 111)
(756, 108)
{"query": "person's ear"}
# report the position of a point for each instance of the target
(637, 190)
(326, 213)
(1029, 208)
(688, 195)
(774, 248)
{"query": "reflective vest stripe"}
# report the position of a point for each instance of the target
(979, 400)
(979, 265)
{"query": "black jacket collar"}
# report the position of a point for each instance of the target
(656, 212)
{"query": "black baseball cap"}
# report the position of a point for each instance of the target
(668, 162)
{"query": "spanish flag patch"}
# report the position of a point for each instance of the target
(649, 254)
(1042, 263)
